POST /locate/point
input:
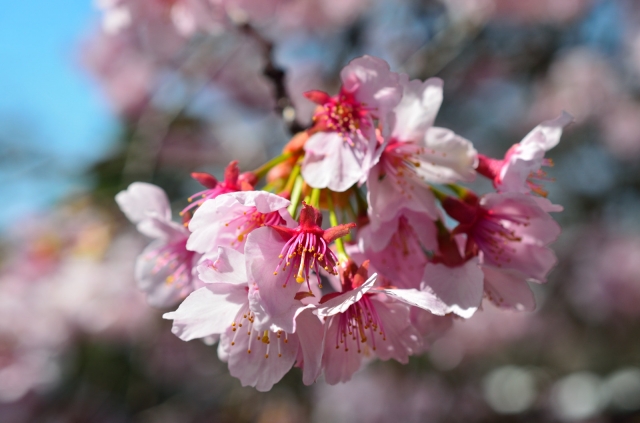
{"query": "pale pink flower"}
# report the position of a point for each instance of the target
(165, 269)
(415, 153)
(258, 352)
(363, 321)
(281, 258)
(521, 167)
(508, 231)
(339, 152)
(506, 245)
(229, 218)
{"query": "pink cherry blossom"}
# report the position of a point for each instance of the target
(258, 353)
(508, 230)
(364, 322)
(339, 152)
(229, 218)
(279, 256)
(396, 248)
(522, 165)
(416, 153)
(506, 245)
(165, 269)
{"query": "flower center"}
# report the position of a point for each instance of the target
(174, 260)
(344, 114)
(493, 236)
(358, 325)
(304, 252)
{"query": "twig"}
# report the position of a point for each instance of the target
(277, 76)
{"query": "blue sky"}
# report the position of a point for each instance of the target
(50, 98)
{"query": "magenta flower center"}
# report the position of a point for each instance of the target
(494, 237)
(346, 115)
(303, 253)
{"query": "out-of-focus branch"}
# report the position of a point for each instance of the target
(444, 47)
(277, 76)
(153, 125)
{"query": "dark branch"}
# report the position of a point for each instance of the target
(277, 76)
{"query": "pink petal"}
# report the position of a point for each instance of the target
(256, 368)
(402, 260)
(534, 261)
(154, 283)
(141, 200)
(264, 202)
(284, 321)
(262, 250)
(508, 289)
(401, 339)
(418, 108)
(208, 221)
(460, 288)
(228, 266)
(386, 200)
(548, 133)
(339, 363)
(310, 332)
(331, 162)
(430, 326)
(373, 83)
(447, 157)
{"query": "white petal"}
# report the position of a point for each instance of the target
(207, 311)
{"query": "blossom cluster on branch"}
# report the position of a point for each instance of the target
(406, 250)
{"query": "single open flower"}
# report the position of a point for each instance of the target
(165, 269)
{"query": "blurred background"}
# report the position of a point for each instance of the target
(96, 95)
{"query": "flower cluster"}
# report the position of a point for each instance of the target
(258, 272)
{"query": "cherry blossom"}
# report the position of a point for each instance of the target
(363, 322)
(230, 218)
(164, 270)
(258, 354)
(521, 167)
(340, 150)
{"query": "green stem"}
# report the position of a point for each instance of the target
(262, 170)
(292, 179)
(315, 198)
(296, 193)
(333, 219)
